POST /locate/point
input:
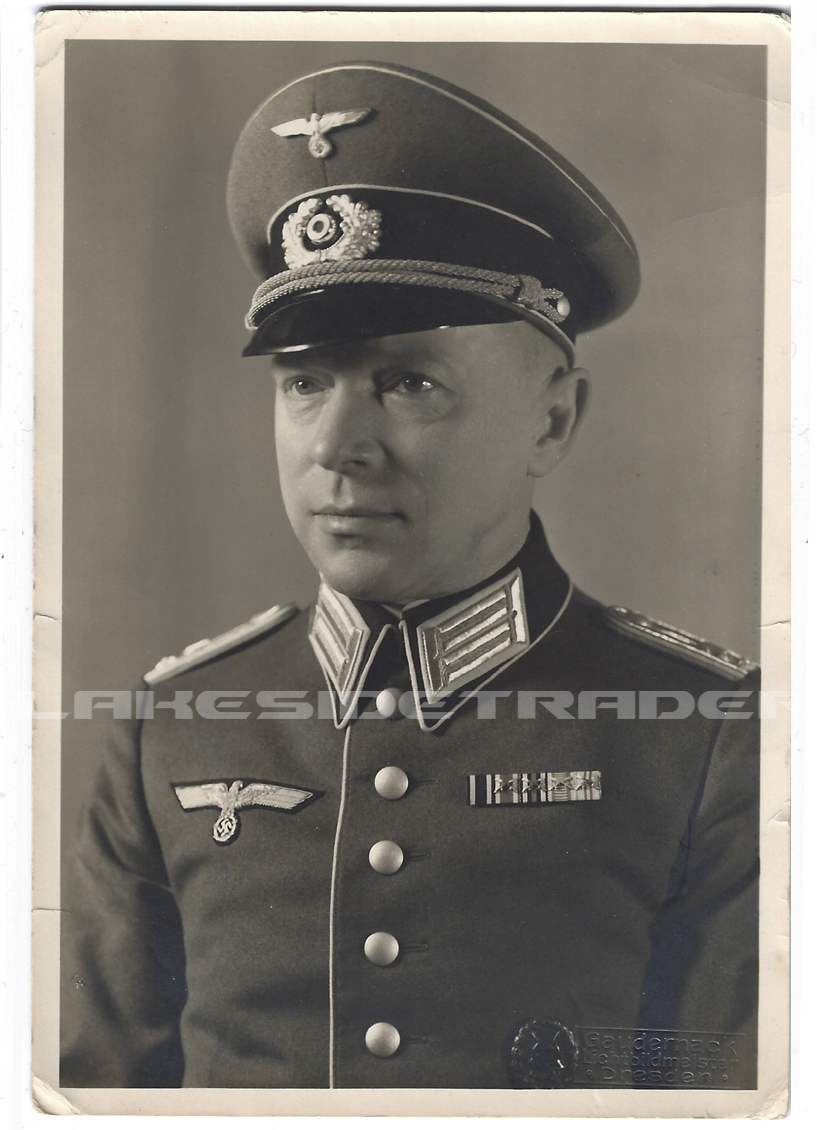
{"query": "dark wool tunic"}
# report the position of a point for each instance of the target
(625, 900)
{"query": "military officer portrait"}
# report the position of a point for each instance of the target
(457, 786)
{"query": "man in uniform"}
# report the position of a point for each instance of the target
(456, 825)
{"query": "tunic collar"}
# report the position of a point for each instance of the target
(454, 645)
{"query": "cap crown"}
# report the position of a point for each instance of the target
(451, 178)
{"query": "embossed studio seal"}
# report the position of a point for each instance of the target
(541, 1053)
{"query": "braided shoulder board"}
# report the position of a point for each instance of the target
(719, 660)
(201, 652)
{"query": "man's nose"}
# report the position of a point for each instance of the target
(347, 437)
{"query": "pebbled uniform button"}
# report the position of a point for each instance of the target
(391, 783)
(386, 857)
(382, 1040)
(386, 702)
(381, 948)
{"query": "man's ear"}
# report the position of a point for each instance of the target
(563, 405)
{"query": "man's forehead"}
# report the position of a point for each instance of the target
(444, 347)
(429, 345)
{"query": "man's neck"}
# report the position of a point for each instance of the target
(398, 608)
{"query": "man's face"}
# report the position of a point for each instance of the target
(405, 461)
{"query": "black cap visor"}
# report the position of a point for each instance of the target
(354, 312)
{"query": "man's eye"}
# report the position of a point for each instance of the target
(410, 383)
(303, 386)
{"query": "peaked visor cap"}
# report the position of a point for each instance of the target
(373, 199)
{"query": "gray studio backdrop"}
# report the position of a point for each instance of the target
(173, 524)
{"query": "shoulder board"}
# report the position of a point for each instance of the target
(719, 660)
(200, 652)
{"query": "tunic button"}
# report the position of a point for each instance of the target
(382, 1040)
(381, 948)
(386, 857)
(386, 702)
(391, 783)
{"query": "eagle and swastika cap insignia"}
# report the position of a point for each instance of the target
(374, 199)
(228, 799)
(489, 789)
(317, 126)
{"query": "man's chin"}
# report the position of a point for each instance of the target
(376, 589)
(364, 576)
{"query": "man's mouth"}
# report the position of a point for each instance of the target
(356, 512)
(350, 520)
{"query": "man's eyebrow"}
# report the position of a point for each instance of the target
(386, 362)
(428, 366)
(288, 361)
(298, 363)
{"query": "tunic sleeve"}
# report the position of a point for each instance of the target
(122, 952)
(703, 971)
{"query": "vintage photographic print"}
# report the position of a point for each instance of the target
(412, 514)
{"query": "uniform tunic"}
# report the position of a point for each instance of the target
(627, 899)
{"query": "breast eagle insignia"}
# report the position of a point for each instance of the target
(228, 799)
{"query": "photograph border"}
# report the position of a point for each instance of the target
(55, 28)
